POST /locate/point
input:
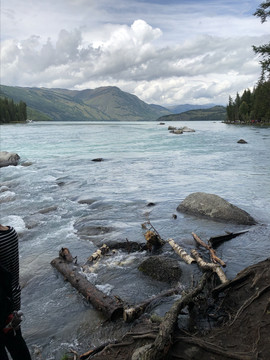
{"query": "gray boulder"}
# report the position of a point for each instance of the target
(214, 207)
(177, 131)
(187, 129)
(161, 268)
(8, 158)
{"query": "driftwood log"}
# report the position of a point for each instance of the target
(209, 266)
(181, 252)
(212, 252)
(110, 306)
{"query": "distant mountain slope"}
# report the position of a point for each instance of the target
(214, 113)
(101, 104)
(178, 109)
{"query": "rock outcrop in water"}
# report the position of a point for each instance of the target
(181, 130)
(8, 158)
(161, 268)
(214, 207)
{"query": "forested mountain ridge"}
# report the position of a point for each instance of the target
(101, 104)
(214, 113)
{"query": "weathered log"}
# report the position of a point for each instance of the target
(212, 252)
(160, 347)
(209, 266)
(136, 311)
(181, 252)
(217, 240)
(111, 307)
(65, 254)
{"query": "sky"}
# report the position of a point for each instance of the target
(166, 52)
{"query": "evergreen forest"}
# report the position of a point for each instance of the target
(11, 112)
(254, 106)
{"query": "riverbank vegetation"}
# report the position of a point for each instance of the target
(12, 112)
(254, 106)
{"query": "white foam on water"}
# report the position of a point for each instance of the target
(106, 289)
(16, 222)
(7, 196)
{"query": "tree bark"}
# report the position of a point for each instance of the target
(181, 252)
(109, 306)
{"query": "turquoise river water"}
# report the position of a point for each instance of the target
(143, 163)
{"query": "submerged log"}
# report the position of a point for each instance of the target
(110, 306)
(181, 252)
(212, 252)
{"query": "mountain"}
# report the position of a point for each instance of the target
(214, 113)
(101, 104)
(178, 109)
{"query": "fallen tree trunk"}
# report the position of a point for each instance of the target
(181, 252)
(209, 266)
(160, 347)
(212, 252)
(135, 312)
(109, 306)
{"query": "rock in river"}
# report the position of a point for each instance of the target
(161, 268)
(214, 207)
(8, 158)
(85, 228)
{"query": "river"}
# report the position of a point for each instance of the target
(143, 163)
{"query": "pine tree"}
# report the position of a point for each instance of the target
(263, 12)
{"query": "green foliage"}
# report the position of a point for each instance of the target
(11, 112)
(255, 106)
(263, 12)
(252, 106)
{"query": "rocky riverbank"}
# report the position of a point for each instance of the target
(213, 318)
